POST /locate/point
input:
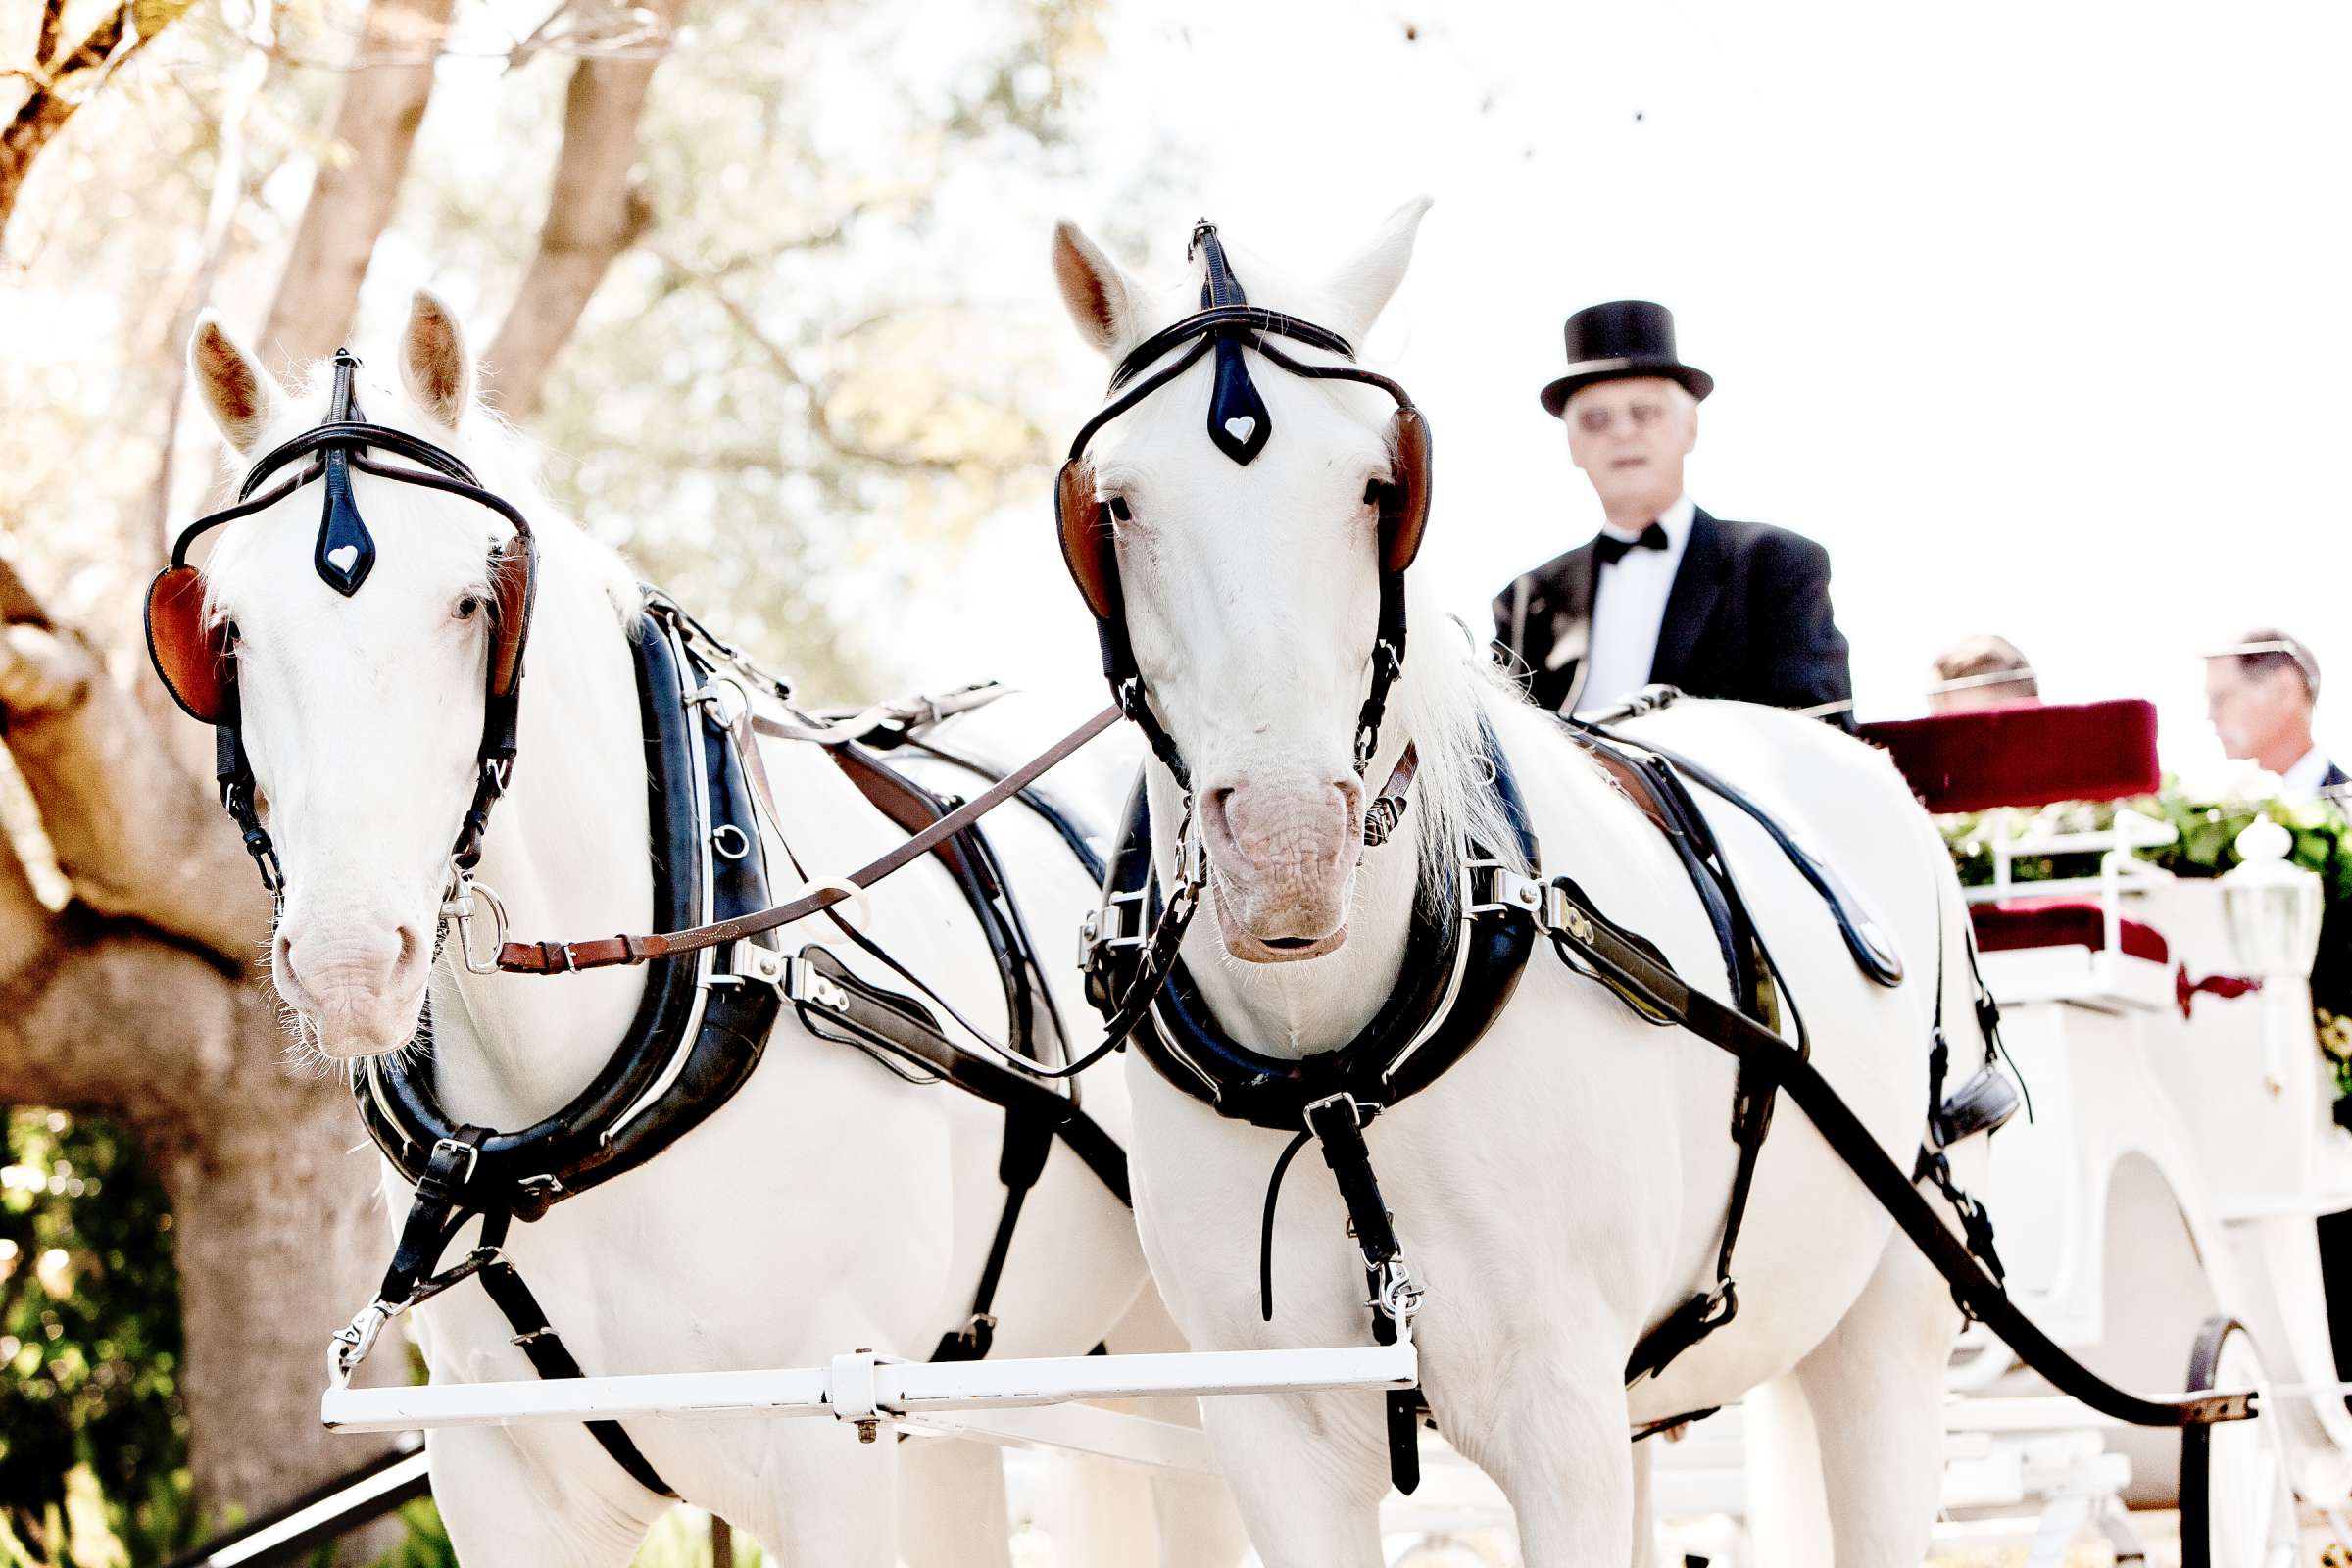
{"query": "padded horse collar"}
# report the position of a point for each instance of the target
(1464, 953)
(1239, 426)
(195, 653)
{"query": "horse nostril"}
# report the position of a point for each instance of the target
(409, 948)
(1214, 817)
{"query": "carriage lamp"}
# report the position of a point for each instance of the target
(2273, 911)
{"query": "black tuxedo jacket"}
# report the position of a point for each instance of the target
(1748, 618)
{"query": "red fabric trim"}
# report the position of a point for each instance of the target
(2016, 923)
(2025, 754)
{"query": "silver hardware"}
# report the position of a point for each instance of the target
(472, 1151)
(458, 906)
(545, 1187)
(1396, 1295)
(1355, 1111)
(727, 833)
(1494, 888)
(818, 992)
(752, 963)
(352, 1342)
(724, 695)
(1123, 915)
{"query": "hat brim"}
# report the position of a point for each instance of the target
(1698, 383)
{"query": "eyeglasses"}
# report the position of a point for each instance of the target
(1596, 418)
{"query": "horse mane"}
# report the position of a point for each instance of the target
(1441, 701)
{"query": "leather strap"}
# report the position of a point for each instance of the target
(1754, 1046)
(603, 952)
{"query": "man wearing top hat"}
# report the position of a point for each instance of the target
(1665, 592)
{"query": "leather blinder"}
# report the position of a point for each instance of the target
(1086, 540)
(514, 582)
(191, 656)
(1404, 499)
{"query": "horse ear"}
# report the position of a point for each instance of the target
(1101, 299)
(1362, 284)
(433, 361)
(242, 397)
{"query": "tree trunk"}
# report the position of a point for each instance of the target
(138, 1001)
(597, 207)
(353, 195)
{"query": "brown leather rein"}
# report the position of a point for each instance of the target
(605, 952)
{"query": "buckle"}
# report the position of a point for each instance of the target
(1491, 887)
(472, 1151)
(1117, 923)
(1355, 1111)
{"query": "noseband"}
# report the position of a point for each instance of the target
(1239, 426)
(195, 653)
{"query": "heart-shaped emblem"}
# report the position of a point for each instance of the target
(343, 557)
(1241, 426)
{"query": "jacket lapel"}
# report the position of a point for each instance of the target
(1697, 583)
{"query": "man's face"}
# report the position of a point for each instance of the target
(2250, 709)
(1629, 437)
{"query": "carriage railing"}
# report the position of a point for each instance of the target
(2120, 870)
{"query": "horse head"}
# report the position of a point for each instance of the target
(1249, 564)
(357, 657)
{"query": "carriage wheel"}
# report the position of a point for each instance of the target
(2237, 1506)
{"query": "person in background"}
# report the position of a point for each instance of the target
(2260, 694)
(1983, 672)
(1664, 592)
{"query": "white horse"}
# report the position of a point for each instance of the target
(1564, 1186)
(828, 1205)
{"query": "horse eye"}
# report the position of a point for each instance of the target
(1119, 510)
(467, 606)
(1372, 492)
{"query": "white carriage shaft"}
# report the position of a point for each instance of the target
(947, 1398)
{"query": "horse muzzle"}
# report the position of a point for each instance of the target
(361, 990)
(1282, 858)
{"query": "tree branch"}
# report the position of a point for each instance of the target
(820, 417)
(351, 199)
(596, 209)
(47, 109)
(133, 833)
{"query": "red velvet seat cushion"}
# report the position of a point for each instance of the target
(2025, 754)
(2016, 923)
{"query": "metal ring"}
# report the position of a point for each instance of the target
(719, 837)
(852, 909)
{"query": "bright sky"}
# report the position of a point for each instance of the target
(2036, 316)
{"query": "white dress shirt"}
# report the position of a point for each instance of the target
(1629, 606)
(2308, 773)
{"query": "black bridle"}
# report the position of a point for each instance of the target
(195, 651)
(1239, 426)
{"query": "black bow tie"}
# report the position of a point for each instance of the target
(1611, 549)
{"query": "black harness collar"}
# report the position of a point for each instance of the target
(700, 1028)
(1464, 952)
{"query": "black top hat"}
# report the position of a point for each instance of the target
(1622, 338)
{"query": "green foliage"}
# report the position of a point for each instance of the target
(89, 1341)
(2207, 846)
